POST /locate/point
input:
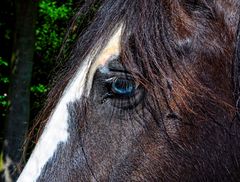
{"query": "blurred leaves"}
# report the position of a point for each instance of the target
(54, 12)
(4, 80)
(39, 88)
(51, 26)
(2, 62)
(3, 101)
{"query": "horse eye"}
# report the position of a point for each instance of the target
(123, 86)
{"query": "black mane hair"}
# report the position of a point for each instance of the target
(164, 43)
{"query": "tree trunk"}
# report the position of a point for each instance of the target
(19, 91)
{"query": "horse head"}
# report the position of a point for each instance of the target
(150, 94)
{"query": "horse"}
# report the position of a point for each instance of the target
(150, 93)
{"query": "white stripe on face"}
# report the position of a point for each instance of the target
(112, 49)
(55, 131)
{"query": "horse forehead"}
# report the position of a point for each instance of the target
(112, 49)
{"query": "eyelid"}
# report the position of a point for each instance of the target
(114, 78)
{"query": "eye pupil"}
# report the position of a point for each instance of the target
(123, 86)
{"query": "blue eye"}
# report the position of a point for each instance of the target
(123, 86)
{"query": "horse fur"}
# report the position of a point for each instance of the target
(180, 125)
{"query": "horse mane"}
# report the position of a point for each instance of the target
(167, 46)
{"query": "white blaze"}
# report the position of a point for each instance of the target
(55, 131)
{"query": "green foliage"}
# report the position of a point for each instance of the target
(50, 31)
(40, 88)
(2, 62)
(4, 80)
(54, 12)
(3, 101)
